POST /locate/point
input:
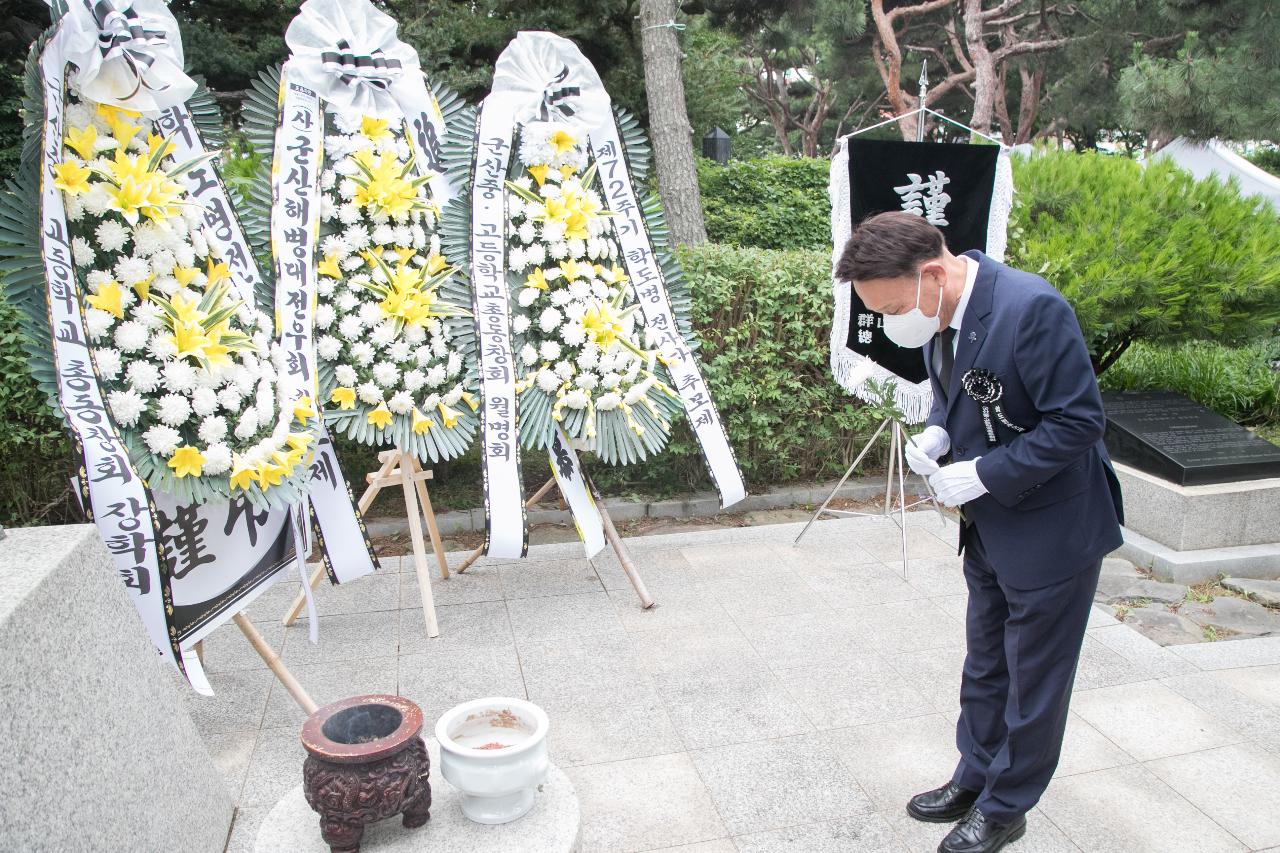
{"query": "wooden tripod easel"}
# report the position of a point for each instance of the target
(402, 469)
(610, 533)
(271, 659)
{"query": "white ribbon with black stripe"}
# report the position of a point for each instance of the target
(127, 53)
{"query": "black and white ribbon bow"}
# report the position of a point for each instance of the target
(372, 69)
(985, 389)
(121, 35)
(557, 100)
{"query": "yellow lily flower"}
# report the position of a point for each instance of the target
(562, 141)
(329, 266)
(242, 476)
(143, 288)
(540, 173)
(185, 275)
(421, 423)
(118, 119)
(270, 474)
(109, 298)
(217, 272)
(380, 416)
(537, 279)
(375, 128)
(71, 177)
(406, 253)
(570, 269)
(83, 142)
(435, 263)
(302, 408)
(470, 400)
(603, 325)
(566, 172)
(448, 415)
(156, 142)
(187, 461)
(299, 441)
(345, 397)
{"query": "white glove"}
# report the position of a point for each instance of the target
(958, 483)
(924, 449)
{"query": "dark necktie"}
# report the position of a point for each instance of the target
(944, 357)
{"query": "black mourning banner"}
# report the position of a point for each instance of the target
(950, 185)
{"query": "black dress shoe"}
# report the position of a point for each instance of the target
(942, 805)
(977, 834)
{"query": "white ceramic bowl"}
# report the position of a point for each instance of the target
(494, 751)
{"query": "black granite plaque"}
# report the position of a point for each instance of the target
(1179, 440)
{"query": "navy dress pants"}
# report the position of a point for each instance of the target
(1023, 646)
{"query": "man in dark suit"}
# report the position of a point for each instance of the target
(1014, 440)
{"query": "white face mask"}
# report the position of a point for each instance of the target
(913, 329)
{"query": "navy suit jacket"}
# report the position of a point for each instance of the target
(1053, 506)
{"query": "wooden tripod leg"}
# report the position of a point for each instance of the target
(419, 547)
(366, 501)
(273, 662)
(620, 548)
(479, 552)
(433, 529)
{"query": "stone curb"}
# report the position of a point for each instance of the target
(696, 505)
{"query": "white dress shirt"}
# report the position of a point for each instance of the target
(971, 275)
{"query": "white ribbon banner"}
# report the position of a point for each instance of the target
(573, 486)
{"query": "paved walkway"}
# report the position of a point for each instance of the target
(780, 699)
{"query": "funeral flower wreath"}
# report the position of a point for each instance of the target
(191, 373)
(393, 331)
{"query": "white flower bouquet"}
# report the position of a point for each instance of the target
(192, 375)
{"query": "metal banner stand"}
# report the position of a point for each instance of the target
(897, 461)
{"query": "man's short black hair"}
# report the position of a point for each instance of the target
(889, 245)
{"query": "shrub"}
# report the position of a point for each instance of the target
(1236, 382)
(1146, 253)
(770, 203)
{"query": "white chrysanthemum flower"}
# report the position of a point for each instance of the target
(453, 366)
(199, 243)
(423, 355)
(386, 374)
(204, 401)
(577, 248)
(82, 252)
(324, 315)
(97, 201)
(517, 260)
(247, 427)
(527, 233)
(97, 323)
(537, 254)
(384, 235)
(586, 381)
(400, 350)
(553, 232)
(383, 334)
(230, 397)
(520, 323)
(328, 347)
(74, 208)
(149, 239)
(414, 379)
(607, 402)
(212, 429)
(550, 189)
(600, 290)
(564, 370)
(610, 380)
(369, 393)
(328, 208)
(336, 244)
(347, 301)
(402, 235)
(179, 376)
(97, 278)
(329, 178)
(357, 236)
(325, 286)
(162, 440)
(436, 375)
(549, 319)
(529, 355)
(558, 250)
(111, 235)
(174, 409)
(351, 328)
(348, 214)
(580, 289)
(573, 333)
(549, 350)
(131, 271)
(577, 399)
(126, 406)
(347, 188)
(345, 374)
(131, 336)
(548, 381)
(560, 297)
(528, 296)
(401, 403)
(217, 459)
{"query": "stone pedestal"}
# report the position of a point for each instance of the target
(99, 750)
(551, 826)
(1189, 534)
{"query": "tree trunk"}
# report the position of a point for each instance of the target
(669, 123)
(986, 83)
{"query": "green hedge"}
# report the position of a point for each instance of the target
(771, 203)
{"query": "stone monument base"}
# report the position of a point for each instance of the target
(551, 826)
(1190, 534)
